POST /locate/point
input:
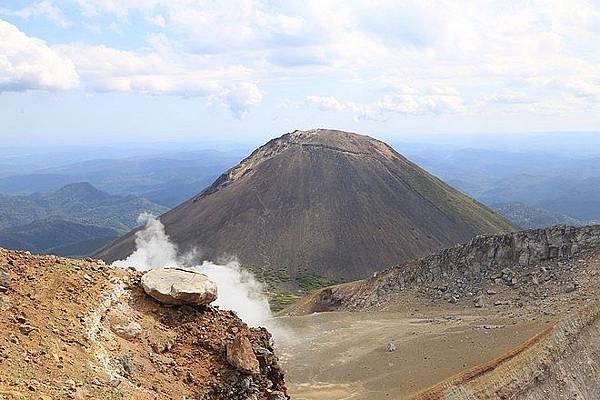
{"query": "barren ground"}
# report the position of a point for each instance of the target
(343, 355)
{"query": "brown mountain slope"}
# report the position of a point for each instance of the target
(323, 202)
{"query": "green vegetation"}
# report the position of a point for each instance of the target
(274, 277)
(313, 282)
(280, 299)
(72, 221)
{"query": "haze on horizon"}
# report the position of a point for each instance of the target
(103, 71)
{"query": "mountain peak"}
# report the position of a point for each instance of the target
(323, 203)
(332, 139)
(313, 140)
(80, 190)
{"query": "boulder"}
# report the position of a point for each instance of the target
(241, 356)
(179, 286)
(276, 395)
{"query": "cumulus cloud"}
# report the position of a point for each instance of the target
(331, 103)
(544, 50)
(241, 97)
(407, 101)
(28, 63)
(420, 104)
(160, 72)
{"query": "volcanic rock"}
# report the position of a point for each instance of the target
(65, 339)
(241, 356)
(127, 331)
(178, 286)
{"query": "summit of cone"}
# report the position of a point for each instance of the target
(319, 204)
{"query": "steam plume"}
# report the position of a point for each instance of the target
(238, 289)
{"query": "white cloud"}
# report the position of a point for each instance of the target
(105, 69)
(241, 97)
(411, 104)
(28, 63)
(408, 101)
(414, 57)
(330, 103)
(44, 8)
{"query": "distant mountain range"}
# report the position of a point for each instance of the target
(74, 220)
(528, 217)
(556, 183)
(532, 188)
(167, 179)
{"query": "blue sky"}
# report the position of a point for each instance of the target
(93, 71)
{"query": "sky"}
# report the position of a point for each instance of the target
(111, 71)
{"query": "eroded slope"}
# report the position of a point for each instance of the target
(79, 329)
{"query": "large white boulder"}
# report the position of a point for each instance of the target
(179, 286)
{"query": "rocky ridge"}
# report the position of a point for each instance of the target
(497, 270)
(76, 329)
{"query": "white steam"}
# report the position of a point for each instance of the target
(238, 289)
(153, 249)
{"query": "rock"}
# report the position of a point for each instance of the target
(4, 281)
(507, 276)
(479, 301)
(570, 287)
(177, 286)
(390, 347)
(162, 346)
(277, 396)
(241, 356)
(124, 365)
(127, 331)
(491, 292)
(26, 329)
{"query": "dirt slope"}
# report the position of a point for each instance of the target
(326, 203)
(81, 330)
(562, 362)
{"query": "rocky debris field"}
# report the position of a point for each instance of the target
(77, 329)
(542, 267)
